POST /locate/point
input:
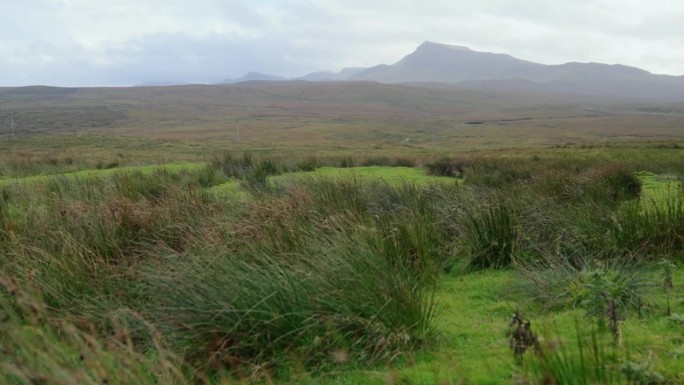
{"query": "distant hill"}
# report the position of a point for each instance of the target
(325, 76)
(256, 76)
(435, 65)
(441, 63)
(160, 83)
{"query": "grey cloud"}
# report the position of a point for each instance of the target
(179, 57)
(81, 42)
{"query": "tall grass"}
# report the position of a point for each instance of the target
(38, 348)
(586, 360)
(327, 268)
(304, 285)
(655, 227)
(493, 235)
(315, 274)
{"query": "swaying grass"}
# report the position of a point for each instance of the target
(587, 360)
(350, 281)
(493, 236)
(298, 274)
(565, 282)
(654, 227)
(320, 290)
(39, 348)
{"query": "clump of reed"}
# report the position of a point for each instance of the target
(320, 273)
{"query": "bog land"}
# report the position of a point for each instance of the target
(339, 233)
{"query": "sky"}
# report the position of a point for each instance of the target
(128, 42)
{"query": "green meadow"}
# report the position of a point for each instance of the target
(548, 265)
(102, 173)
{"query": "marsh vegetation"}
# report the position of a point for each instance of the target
(347, 269)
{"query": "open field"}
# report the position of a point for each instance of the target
(356, 233)
(334, 117)
(341, 268)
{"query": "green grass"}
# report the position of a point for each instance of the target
(147, 169)
(473, 312)
(333, 276)
(230, 189)
(657, 187)
(387, 174)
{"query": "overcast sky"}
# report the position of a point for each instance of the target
(126, 42)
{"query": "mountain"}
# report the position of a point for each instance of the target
(327, 76)
(256, 76)
(435, 65)
(441, 63)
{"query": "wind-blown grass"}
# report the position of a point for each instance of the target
(318, 271)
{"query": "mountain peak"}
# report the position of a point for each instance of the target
(430, 45)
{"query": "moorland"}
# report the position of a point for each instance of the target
(339, 233)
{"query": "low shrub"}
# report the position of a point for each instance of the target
(403, 161)
(310, 163)
(492, 235)
(376, 161)
(444, 167)
(565, 282)
(652, 228)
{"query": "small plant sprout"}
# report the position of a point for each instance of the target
(667, 269)
(614, 322)
(521, 336)
(597, 302)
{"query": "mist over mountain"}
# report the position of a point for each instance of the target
(256, 76)
(160, 83)
(441, 63)
(438, 65)
(326, 76)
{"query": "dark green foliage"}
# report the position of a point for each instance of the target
(667, 269)
(309, 163)
(209, 177)
(500, 173)
(376, 161)
(492, 234)
(403, 161)
(444, 167)
(233, 166)
(621, 183)
(597, 298)
(641, 373)
(100, 165)
(346, 162)
(563, 282)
